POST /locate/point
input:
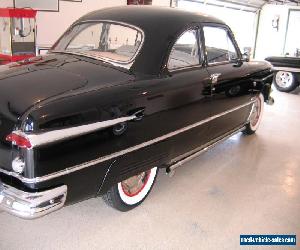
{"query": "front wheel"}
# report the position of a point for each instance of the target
(255, 116)
(130, 193)
(285, 81)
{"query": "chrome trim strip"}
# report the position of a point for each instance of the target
(218, 63)
(31, 205)
(289, 69)
(200, 66)
(63, 134)
(122, 152)
(196, 152)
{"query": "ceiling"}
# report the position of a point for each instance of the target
(260, 3)
(247, 5)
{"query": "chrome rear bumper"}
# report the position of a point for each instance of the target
(31, 205)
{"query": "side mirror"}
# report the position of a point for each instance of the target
(247, 53)
(235, 60)
(246, 57)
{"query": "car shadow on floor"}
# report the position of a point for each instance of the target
(296, 91)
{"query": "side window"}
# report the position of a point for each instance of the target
(185, 51)
(218, 44)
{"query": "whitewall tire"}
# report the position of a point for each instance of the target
(255, 116)
(131, 192)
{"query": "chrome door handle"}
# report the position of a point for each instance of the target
(215, 77)
(137, 114)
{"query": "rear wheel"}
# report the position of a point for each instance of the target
(255, 115)
(285, 81)
(130, 193)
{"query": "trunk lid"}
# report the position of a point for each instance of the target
(29, 83)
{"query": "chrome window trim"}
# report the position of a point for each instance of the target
(122, 152)
(219, 63)
(122, 64)
(198, 66)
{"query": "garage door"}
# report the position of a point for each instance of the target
(292, 43)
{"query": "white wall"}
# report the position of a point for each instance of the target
(52, 24)
(270, 42)
(161, 3)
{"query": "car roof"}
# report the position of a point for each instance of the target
(161, 25)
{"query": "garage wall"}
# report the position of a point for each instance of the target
(242, 23)
(52, 24)
(165, 3)
(270, 41)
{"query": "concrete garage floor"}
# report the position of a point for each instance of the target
(246, 185)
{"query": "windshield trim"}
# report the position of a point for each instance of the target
(117, 63)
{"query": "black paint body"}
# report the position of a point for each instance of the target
(61, 90)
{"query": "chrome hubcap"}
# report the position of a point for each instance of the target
(135, 184)
(255, 114)
(284, 79)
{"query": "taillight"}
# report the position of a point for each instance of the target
(18, 140)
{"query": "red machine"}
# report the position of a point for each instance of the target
(17, 34)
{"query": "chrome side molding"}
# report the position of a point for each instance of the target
(195, 153)
(122, 152)
(68, 133)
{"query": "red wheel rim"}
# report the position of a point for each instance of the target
(134, 185)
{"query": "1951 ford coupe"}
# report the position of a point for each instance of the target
(124, 92)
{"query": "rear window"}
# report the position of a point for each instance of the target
(110, 41)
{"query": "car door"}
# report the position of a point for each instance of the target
(183, 87)
(230, 83)
(175, 103)
(175, 107)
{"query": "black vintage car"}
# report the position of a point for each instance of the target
(287, 72)
(124, 92)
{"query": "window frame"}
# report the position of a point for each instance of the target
(197, 28)
(231, 37)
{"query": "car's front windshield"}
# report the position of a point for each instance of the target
(102, 40)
